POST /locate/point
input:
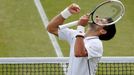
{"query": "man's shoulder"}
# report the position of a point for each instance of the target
(95, 42)
(67, 30)
(66, 34)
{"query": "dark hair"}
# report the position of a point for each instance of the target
(111, 31)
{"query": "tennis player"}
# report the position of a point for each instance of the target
(86, 48)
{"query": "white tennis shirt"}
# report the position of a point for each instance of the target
(79, 65)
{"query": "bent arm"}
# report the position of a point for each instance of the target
(80, 50)
(59, 19)
(54, 24)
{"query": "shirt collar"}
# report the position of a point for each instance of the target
(91, 37)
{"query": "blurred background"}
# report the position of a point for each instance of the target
(22, 33)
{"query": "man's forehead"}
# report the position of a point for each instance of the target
(101, 21)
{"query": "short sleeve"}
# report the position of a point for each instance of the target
(66, 34)
(94, 48)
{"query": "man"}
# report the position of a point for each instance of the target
(85, 48)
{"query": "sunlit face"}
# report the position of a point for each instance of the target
(98, 27)
(99, 24)
(100, 21)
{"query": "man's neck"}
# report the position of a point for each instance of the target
(90, 33)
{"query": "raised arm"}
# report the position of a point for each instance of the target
(80, 50)
(59, 19)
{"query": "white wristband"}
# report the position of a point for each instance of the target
(66, 13)
(80, 30)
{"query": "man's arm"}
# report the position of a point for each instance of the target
(80, 50)
(54, 24)
(59, 19)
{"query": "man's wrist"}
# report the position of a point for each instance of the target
(66, 13)
(80, 30)
(80, 36)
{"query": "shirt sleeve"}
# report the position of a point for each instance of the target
(66, 34)
(94, 48)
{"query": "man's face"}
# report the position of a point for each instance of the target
(100, 21)
(96, 27)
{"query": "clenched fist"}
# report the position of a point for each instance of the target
(71, 9)
(83, 21)
(74, 8)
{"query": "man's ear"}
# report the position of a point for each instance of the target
(102, 31)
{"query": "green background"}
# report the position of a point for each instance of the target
(22, 33)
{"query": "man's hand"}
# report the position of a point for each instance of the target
(74, 8)
(83, 21)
